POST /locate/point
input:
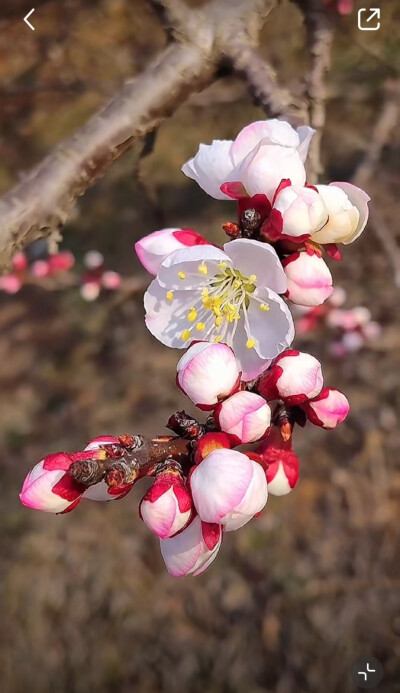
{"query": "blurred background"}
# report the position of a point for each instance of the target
(296, 596)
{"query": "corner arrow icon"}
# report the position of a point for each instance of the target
(26, 19)
(375, 12)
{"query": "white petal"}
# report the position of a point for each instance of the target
(249, 362)
(252, 257)
(305, 134)
(263, 169)
(212, 166)
(167, 320)
(360, 200)
(272, 330)
(270, 131)
(187, 261)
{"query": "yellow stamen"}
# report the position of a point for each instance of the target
(218, 339)
(200, 326)
(202, 268)
(181, 275)
(250, 344)
(264, 307)
(205, 292)
(192, 315)
(218, 321)
(169, 295)
(252, 278)
(185, 335)
(221, 265)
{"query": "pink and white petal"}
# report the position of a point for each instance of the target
(212, 166)
(219, 483)
(186, 262)
(305, 134)
(207, 559)
(181, 552)
(160, 514)
(155, 247)
(271, 131)
(253, 501)
(167, 320)
(252, 257)
(39, 494)
(264, 168)
(273, 330)
(359, 199)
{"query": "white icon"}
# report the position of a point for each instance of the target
(364, 673)
(26, 19)
(373, 13)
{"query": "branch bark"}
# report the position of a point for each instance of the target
(41, 202)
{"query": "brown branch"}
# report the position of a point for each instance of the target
(320, 40)
(381, 135)
(42, 201)
(134, 458)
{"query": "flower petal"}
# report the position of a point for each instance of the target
(252, 257)
(212, 166)
(273, 330)
(168, 321)
(271, 131)
(181, 269)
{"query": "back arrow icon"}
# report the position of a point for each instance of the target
(26, 19)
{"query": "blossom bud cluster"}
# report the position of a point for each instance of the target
(229, 308)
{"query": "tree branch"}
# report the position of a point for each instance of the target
(41, 202)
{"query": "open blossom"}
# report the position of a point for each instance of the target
(245, 417)
(309, 279)
(297, 213)
(154, 248)
(207, 373)
(190, 552)
(328, 409)
(49, 487)
(347, 207)
(228, 296)
(294, 377)
(262, 155)
(166, 508)
(228, 488)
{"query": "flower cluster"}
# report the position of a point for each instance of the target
(229, 308)
(22, 269)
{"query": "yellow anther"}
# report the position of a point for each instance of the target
(218, 321)
(222, 265)
(218, 339)
(252, 278)
(192, 315)
(237, 284)
(250, 344)
(169, 295)
(264, 307)
(200, 326)
(202, 268)
(182, 275)
(185, 335)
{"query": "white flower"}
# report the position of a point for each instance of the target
(348, 213)
(231, 296)
(262, 155)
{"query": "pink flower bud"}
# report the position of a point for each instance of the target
(208, 372)
(309, 279)
(329, 409)
(90, 290)
(282, 465)
(40, 269)
(10, 283)
(154, 248)
(228, 488)
(294, 377)
(245, 417)
(48, 487)
(93, 259)
(297, 213)
(193, 550)
(167, 506)
(19, 261)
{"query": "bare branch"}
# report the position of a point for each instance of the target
(41, 202)
(320, 40)
(384, 127)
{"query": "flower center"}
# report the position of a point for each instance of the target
(224, 300)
